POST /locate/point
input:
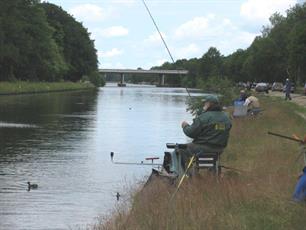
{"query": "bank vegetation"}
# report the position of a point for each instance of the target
(256, 197)
(24, 87)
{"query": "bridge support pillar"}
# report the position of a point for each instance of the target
(161, 79)
(121, 83)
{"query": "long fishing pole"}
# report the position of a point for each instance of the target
(296, 139)
(161, 36)
(191, 161)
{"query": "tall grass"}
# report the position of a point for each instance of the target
(257, 198)
(21, 87)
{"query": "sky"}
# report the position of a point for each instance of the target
(125, 36)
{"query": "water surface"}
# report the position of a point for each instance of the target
(62, 142)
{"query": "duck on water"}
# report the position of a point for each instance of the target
(32, 186)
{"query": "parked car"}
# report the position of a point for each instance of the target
(262, 87)
(241, 84)
(277, 86)
(292, 88)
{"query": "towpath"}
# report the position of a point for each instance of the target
(296, 98)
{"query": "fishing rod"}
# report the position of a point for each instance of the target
(191, 161)
(136, 163)
(162, 38)
(296, 139)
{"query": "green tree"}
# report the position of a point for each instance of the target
(233, 65)
(297, 51)
(74, 42)
(265, 61)
(28, 51)
(220, 86)
(297, 43)
(193, 67)
(211, 63)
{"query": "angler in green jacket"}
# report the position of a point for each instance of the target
(209, 131)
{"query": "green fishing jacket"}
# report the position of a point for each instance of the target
(210, 128)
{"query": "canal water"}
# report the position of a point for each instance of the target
(62, 142)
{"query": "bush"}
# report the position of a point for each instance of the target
(96, 79)
(222, 87)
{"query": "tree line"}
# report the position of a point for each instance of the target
(278, 53)
(42, 42)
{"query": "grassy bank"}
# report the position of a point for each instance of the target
(257, 198)
(23, 87)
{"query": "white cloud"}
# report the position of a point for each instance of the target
(157, 62)
(114, 31)
(227, 22)
(188, 51)
(109, 54)
(118, 65)
(202, 33)
(111, 65)
(155, 38)
(194, 37)
(231, 43)
(90, 12)
(193, 28)
(255, 10)
(211, 16)
(246, 37)
(124, 2)
(105, 65)
(160, 62)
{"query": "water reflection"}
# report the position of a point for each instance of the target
(15, 125)
(66, 150)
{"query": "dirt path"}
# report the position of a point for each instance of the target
(296, 98)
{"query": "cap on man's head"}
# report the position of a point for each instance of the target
(211, 98)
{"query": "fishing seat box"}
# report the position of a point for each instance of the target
(240, 110)
(210, 161)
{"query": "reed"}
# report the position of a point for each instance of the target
(257, 198)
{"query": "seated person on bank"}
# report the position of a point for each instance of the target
(243, 95)
(210, 130)
(253, 104)
(300, 188)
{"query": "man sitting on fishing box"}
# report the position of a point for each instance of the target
(210, 130)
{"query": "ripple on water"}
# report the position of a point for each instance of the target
(16, 125)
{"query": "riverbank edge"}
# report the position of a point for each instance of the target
(119, 219)
(23, 87)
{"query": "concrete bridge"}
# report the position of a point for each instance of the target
(160, 73)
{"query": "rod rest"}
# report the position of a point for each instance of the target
(175, 145)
